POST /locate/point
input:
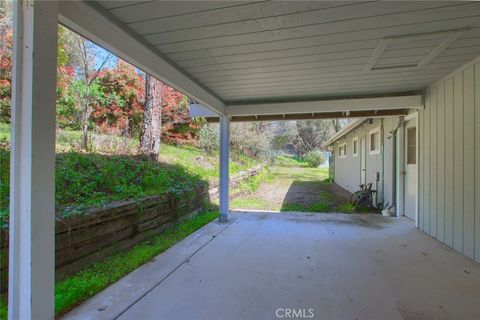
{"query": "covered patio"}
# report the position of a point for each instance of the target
(248, 61)
(261, 264)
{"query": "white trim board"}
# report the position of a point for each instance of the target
(334, 105)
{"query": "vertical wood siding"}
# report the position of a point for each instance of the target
(458, 162)
(441, 162)
(433, 163)
(449, 185)
(449, 162)
(477, 162)
(426, 167)
(420, 199)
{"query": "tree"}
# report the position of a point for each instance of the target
(6, 44)
(177, 125)
(251, 139)
(119, 109)
(152, 118)
(91, 60)
(67, 111)
(313, 134)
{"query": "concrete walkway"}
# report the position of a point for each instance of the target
(329, 266)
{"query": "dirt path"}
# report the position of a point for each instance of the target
(294, 187)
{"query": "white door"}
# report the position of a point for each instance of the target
(410, 173)
(363, 161)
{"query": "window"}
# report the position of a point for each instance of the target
(342, 150)
(374, 141)
(412, 145)
(355, 146)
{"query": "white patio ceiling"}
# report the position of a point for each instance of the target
(250, 58)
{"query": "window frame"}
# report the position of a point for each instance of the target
(370, 133)
(344, 146)
(354, 152)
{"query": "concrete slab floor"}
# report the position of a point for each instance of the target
(298, 266)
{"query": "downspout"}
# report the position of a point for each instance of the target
(383, 163)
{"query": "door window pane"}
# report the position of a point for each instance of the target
(374, 141)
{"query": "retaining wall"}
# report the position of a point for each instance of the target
(82, 240)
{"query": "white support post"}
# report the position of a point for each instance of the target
(32, 176)
(224, 162)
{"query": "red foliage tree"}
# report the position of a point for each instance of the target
(6, 43)
(178, 126)
(120, 108)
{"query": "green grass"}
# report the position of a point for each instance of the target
(89, 180)
(251, 185)
(316, 207)
(319, 207)
(301, 174)
(92, 180)
(286, 171)
(197, 162)
(4, 131)
(72, 291)
(3, 309)
(252, 203)
(346, 208)
(292, 168)
(290, 161)
(194, 160)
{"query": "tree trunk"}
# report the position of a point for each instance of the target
(152, 118)
(85, 116)
(336, 125)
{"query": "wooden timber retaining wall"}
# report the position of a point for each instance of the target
(82, 240)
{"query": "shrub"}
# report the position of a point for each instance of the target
(249, 139)
(208, 139)
(314, 158)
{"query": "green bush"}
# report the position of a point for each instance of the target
(208, 139)
(314, 158)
